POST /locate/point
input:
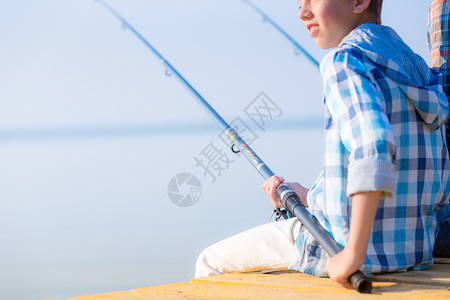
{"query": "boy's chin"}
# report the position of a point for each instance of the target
(325, 46)
(327, 43)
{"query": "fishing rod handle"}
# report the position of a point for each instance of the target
(361, 282)
(292, 202)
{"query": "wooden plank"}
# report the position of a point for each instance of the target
(276, 290)
(211, 290)
(433, 283)
(442, 260)
(125, 295)
(309, 285)
(438, 274)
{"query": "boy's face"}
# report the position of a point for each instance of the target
(329, 21)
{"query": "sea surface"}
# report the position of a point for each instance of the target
(88, 215)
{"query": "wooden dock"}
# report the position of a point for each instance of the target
(433, 283)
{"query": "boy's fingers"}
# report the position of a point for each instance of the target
(266, 185)
(346, 284)
(271, 182)
(270, 186)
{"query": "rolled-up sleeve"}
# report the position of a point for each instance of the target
(356, 107)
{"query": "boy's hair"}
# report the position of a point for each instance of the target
(375, 8)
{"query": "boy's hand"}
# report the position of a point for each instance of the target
(342, 265)
(272, 183)
(349, 260)
(270, 187)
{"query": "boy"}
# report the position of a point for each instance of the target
(385, 168)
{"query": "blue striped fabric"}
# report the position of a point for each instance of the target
(384, 111)
(439, 40)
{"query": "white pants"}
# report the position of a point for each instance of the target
(264, 248)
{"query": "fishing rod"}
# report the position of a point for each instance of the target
(283, 32)
(289, 198)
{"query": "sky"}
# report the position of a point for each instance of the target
(92, 132)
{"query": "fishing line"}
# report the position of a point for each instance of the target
(229, 131)
(298, 49)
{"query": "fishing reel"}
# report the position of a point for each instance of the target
(280, 214)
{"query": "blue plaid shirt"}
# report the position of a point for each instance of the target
(384, 116)
(439, 38)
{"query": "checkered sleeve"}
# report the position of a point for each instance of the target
(355, 105)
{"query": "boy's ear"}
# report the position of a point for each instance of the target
(361, 6)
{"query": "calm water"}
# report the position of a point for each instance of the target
(83, 216)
